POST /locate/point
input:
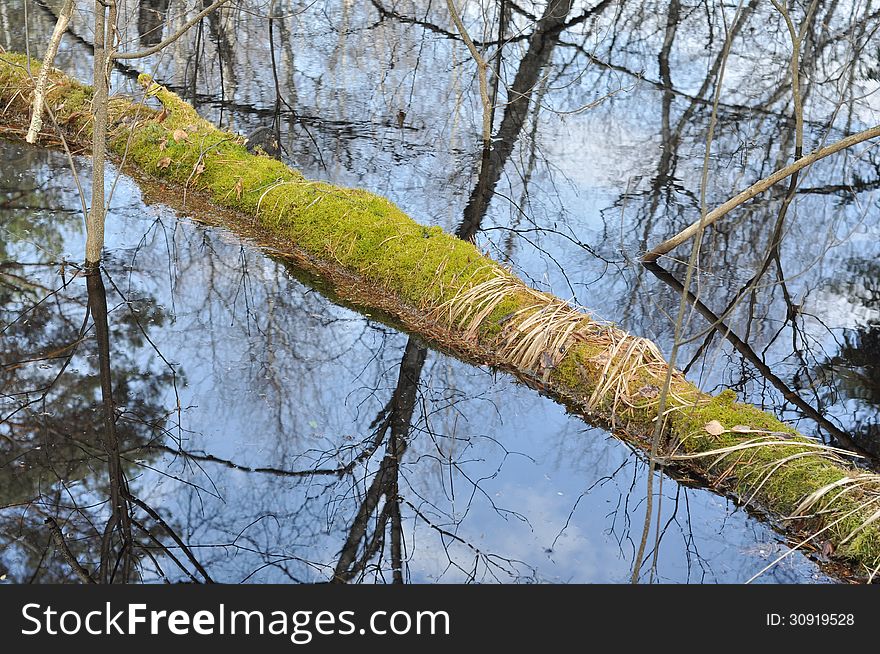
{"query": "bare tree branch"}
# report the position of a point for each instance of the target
(482, 67)
(756, 189)
(171, 39)
(58, 537)
(48, 60)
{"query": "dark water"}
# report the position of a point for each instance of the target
(240, 390)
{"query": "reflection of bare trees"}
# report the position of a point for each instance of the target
(120, 520)
(360, 547)
(70, 410)
(718, 326)
(753, 271)
(494, 158)
(151, 20)
(395, 424)
(62, 428)
(852, 377)
(65, 470)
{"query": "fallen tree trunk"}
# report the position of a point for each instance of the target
(365, 251)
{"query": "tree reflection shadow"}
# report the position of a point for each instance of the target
(69, 413)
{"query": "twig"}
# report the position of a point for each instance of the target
(186, 550)
(756, 189)
(58, 537)
(171, 39)
(679, 323)
(482, 67)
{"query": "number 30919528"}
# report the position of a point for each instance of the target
(810, 619)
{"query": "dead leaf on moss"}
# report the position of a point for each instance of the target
(238, 188)
(164, 162)
(180, 135)
(742, 429)
(714, 427)
(163, 145)
(649, 391)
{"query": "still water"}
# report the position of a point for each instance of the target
(262, 427)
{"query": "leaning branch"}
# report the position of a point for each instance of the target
(49, 59)
(756, 189)
(171, 39)
(482, 68)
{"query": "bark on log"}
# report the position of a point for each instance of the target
(369, 253)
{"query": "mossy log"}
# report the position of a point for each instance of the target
(368, 252)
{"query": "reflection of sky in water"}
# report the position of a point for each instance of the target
(273, 371)
(273, 375)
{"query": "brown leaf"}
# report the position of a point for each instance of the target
(162, 115)
(714, 427)
(163, 145)
(649, 391)
(239, 187)
(199, 169)
(180, 135)
(164, 162)
(741, 429)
